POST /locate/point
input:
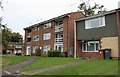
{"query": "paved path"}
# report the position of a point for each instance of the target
(33, 72)
(13, 70)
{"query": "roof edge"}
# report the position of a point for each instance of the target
(52, 19)
(96, 15)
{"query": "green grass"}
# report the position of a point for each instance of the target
(0, 61)
(12, 60)
(97, 67)
(45, 62)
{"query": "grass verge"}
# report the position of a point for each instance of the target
(44, 62)
(97, 67)
(12, 60)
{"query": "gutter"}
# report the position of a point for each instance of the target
(97, 15)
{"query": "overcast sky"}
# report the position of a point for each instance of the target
(19, 14)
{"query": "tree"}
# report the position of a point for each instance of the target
(88, 9)
(16, 37)
(9, 36)
(6, 34)
(1, 4)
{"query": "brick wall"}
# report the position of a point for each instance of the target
(68, 34)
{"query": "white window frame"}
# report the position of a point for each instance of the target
(89, 21)
(47, 25)
(36, 28)
(47, 36)
(94, 46)
(35, 37)
(34, 48)
(46, 49)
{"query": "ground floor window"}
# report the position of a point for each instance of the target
(34, 48)
(59, 47)
(91, 46)
(46, 49)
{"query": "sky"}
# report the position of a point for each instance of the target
(18, 14)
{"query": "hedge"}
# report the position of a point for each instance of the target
(54, 53)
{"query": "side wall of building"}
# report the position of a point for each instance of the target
(112, 43)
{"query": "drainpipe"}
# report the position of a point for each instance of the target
(67, 36)
(74, 39)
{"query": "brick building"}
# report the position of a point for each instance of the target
(95, 33)
(54, 34)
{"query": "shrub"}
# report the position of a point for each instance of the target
(38, 52)
(4, 51)
(54, 53)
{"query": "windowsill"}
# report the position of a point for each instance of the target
(35, 41)
(95, 27)
(46, 39)
(90, 51)
(47, 28)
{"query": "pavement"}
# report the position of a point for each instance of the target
(13, 71)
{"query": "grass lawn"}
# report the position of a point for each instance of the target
(44, 62)
(97, 67)
(12, 60)
(0, 61)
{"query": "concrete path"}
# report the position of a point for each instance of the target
(33, 72)
(13, 70)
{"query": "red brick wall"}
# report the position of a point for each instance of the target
(80, 53)
(73, 16)
(37, 43)
(65, 34)
(68, 34)
(25, 43)
(47, 42)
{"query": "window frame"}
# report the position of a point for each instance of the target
(34, 37)
(45, 36)
(94, 42)
(47, 25)
(101, 21)
(36, 29)
(33, 50)
(46, 49)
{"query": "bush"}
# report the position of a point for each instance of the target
(38, 52)
(4, 51)
(54, 53)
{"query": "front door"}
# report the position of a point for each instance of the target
(28, 50)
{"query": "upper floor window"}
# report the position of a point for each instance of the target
(36, 28)
(47, 36)
(36, 38)
(59, 22)
(91, 46)
(48, 25)
(95, 22)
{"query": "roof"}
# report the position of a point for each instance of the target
(96, 15)
(55, 18)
